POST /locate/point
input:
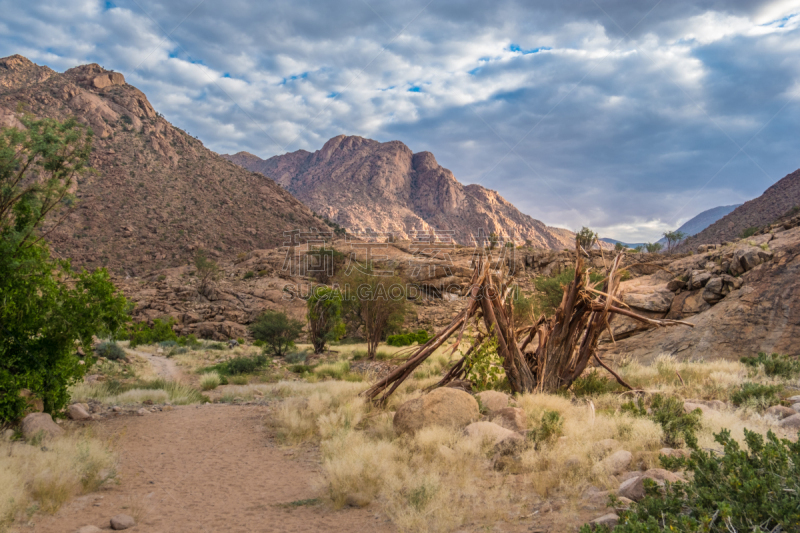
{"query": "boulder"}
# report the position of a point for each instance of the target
(108, 79)
(609, 520)
(660, 474)
(615, 464)
(745, 259)
(694, 303)
(633, 488)
(780, 412)
(796, 407)
(713, 290)
(490, 431)
(791, 422)
(493, 400)
(142, 412)
(698, 279)
(122, 521)
(40, 423)
(676, 285)
(658, 301)
(76, 411)
(440, 407)
(512, 418)
(793, 399)
(671, 452)
(689, 407)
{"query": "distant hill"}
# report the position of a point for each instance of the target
(703, 220)
(158, 193)
(626, 244)
(366, 185)
(774, 203)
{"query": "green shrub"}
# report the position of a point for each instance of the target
(753, 490)
(241, 341)
(111, 351)
(300, 369)
(484, 367)
(593, 384)
(324, 317)
(407, 339)
(749, 232)
(277, 330)
(549, 429)
(246, 365)
(295, 357)
(259, 343)
(549, 291)
(336, 370)
(774, 364)
(667, 411)
(239, 380)
(210, 381)
(141, 333)
(756, 395)
(189, 341)
(249, 274)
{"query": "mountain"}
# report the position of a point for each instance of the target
(703, 220)
(626, 244)
(774, 203)
(366, 185)
(157, 194)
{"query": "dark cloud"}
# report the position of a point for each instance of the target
(628, 116)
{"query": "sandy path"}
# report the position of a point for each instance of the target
(207, 469)
(165, 368)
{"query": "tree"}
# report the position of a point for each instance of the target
(379, 302)
(653, 247)
(207, 271)
(47, 311)
(493, 240)
(673, 238)
(277, 330)
(324, 317)
(585, 238)
(619, 247)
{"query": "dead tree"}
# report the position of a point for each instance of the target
(542, 357)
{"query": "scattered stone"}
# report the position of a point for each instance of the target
(89, 529)
(689, 407)
(671, 452)
(780, 411)
(796, 407)
(614, 464)
(76, 411)
(609, 520)
(357, 499)
(698, 279)
(660, 474)
(493, 400)
(676, 285)
(793, 399)
(633, 488)
(440, 407)
(36, 423)
(791, 422)
(142, 412)
(122, 521)
(116, 408)
(512, 418)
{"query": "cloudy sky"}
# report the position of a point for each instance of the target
(628, 116)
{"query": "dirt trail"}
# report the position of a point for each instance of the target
(165, 368)
(208, 469)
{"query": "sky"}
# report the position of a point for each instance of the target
(626, 116)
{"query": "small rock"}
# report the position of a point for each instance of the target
(624, 503)
(490, 431)
(780, 411)
(142, 412)
(660, 474)
(791, 422)
(357, 499)
(796, 407)
(512, 418)
(614, 464)
(609, 520)
(122, 521)
(116, 408)
(89, 529)
(493, 400)
(793, 399)
(671, 452)
(36, 423)
(689, 407)
(633, 488)
(77, 412)
(629, 475)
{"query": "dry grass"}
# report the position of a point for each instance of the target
(157, 391)
(440, 480)
(35, 478)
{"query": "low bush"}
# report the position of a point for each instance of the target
(756, 395)
(774, 364)
(752, 490)
(593, 384)
(296, 357)
(239, 380)
(407, 339)
(216, 346)
(239, 365)
(111, 351)
(249, 274)
(749, 232)
(337, 370)
(300, 369)
(668, 412)
(210, 380)
(141, 333)
(550, 427)
(190, 341)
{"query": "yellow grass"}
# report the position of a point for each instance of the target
(33, 477)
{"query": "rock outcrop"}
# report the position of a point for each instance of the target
(365, 185)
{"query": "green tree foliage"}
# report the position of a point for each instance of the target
(749, 232)
(753, 490)
(673, 238)
(774, 364)
(653, 247)
(756, 395)
(324, 317)
(619, 247)
(47, 310)
(586, 237)
(207, 271)
(550, 290)
(277, 330)
(407, 339)
(111, 351)
(161, 331)
(484, 367)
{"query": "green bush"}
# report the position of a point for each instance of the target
(407, 339)
(756, 395)
(111, 351)
(667, 411)
(549, 429)
(140, 333)
(324, 317)
(249, 274)
(295, 357)
(300, 369)
(189, 341)
(749, 232)
(774, 364)
(753, 490)
(593, 384)
(549, 291)
(277, 330)
(240, 365)
(259, 343)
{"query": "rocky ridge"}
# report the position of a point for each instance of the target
(158, 193)
(365, 185)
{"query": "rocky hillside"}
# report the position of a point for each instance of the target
(366, 185)
(158, 193)
(700, 222)
(774, 203)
